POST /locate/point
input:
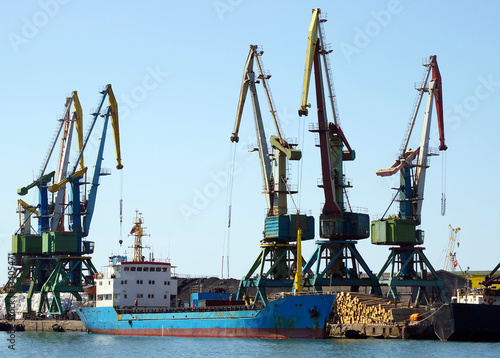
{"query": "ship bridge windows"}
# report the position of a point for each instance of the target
(158, 269)
(126, 268)
(139, 269)
(145, 269)
(163, 269)
(132, 268)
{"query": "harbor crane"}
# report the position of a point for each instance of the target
(76, 120)
(278, 256)
(336, 260)
(409, 265)
(53, 260)
(450, 261)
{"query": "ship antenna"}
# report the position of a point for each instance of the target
(138, 232)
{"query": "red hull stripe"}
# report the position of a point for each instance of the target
(280, 333)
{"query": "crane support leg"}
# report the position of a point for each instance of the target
(276, 268)
(335, 263)
(409, 268)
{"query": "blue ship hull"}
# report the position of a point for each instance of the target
(289, 317)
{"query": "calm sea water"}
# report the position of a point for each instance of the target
(70, 345)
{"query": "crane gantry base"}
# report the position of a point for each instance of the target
(51, 275)
(329, 266)
(409, 267)
(279, 273)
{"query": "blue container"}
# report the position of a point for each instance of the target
(356, 226)
(353, 226)
(197, 297)
(285, 227)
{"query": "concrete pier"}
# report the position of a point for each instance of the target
(45, 325)
(412, 330)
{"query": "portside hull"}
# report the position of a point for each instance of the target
(290, 317)
(467, 322)
(219, 332)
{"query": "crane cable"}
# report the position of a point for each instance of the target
(443, 184)
(301, 130)
(121, 208)
(229, 205)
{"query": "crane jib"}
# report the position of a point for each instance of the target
(438, 98)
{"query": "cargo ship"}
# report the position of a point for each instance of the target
(472, 315)
(139, 297)
(302, 316)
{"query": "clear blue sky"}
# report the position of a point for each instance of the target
(176, 70)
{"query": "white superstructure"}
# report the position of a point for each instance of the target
(481, 296)
(150, 282)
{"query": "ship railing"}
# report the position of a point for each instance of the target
(303, 293)
(180, 275)
(146, 310)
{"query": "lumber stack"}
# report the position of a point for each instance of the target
(353, 307)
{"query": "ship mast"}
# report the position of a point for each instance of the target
(138, 231)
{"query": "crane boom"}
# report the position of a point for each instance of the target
(115, 124)
(111, 111)
(414, 192)
(331, 137)
(273, 187)
(312, 40)
(54, 139)
(248, 82)
(78, 117)
(57, 222)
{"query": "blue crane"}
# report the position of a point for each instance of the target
(54, 259)
(409, 265)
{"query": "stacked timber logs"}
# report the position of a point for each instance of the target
(353, 307)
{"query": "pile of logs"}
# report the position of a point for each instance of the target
(353, 307)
